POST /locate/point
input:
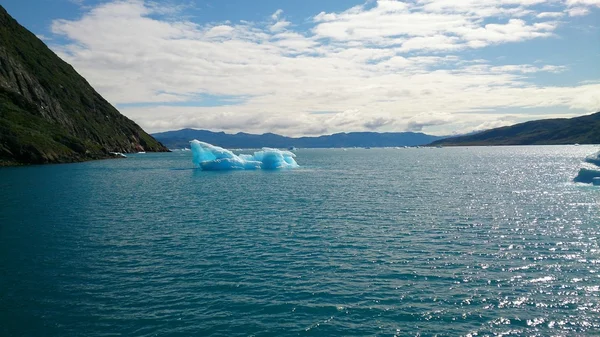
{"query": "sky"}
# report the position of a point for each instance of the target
(314, 67)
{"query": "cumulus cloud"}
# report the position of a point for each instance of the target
(385, 65)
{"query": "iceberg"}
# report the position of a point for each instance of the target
(214, 158)
(588, 176)
(593, 159)
(591, 174)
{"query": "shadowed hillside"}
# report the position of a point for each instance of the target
(580, 130)
(49, 113)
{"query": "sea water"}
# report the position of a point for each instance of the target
(380, 242)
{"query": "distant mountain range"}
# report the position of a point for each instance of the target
(578, 130)
(49, 113)
(180, 139)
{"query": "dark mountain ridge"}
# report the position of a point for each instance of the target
(180, 139)
(577, 130)
(49, 113)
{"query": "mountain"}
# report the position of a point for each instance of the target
(581, 130)
(49, 113)
(180, 139)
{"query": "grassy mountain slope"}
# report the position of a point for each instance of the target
(581, 130)
(49, 113)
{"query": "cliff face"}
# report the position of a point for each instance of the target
(49, 113)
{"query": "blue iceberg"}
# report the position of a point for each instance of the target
(593, 159)
(214, 158)
(591, 174)
(588, 176)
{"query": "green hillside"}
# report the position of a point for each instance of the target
(580, 130)
(49, 113)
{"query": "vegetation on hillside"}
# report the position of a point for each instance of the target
(49, 113)
(578, 130)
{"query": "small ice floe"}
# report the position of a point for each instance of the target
(590, 174)
(118, 154)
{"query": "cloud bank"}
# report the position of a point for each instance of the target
(382, 65)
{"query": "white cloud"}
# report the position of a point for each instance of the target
(390, 65)
(578, 11)
(580, 7)
(583, 3)
(452, 24)
(219, 31)
(549, 15)
(43, 37)
(279, 26)
(275, 16)
(527, 69)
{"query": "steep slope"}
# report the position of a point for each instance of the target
(49, 113)
(180, 139)
(581, 130)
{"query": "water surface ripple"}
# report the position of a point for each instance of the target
(382, 242)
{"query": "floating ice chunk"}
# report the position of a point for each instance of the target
(215, 158)
(593, 159)
(118, 154)
(588, 176)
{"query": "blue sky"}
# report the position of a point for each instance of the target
(319, 67)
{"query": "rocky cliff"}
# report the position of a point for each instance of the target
(49, 113)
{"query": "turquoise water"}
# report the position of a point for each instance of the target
(381, 242)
